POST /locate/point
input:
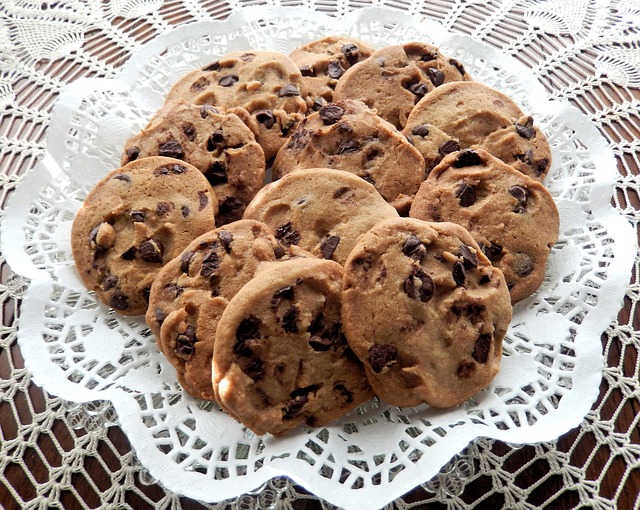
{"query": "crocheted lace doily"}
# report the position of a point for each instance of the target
(80, 351)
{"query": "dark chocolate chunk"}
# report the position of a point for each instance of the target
(467, 157)
(299, 398)
(290, 320)
(418, 89)
(419, 285)
(458, 66)
(287, 235)
(459, 273)
(420, 131)
(481, 348)
(363, 263)
(133, 153)
(203, 199)
(526, 130)
(279, 295)
(298, 139)
(247, 57)
(465, 370)
(484, 279)
(318, 103)
(163, 208)
(213, 66)
(146, 292)
(414, 248)
(137, 216)
(350, 52)
(109, 282)
(328, 246)
(151, 250)
(519, 193)
(184, 344)
(527, 157)
(206, 110)
(174, 289)
(200, 84)
(428, 57)
(254, 368)
(307, 71)
(466, 194)
(492, 251)
(288, 91)
(123, 178)
(119, 300)
(159, 315)
(169, 169)
(436, 76)
(381, 356)
(448, 147)
(469, 257)
(215, 141)
(216, 173)
(266, 118)
(210, 263)
(340, 191)
(248, 330)
(320, 344)
(171, 149)
(335, 70)
(540, 166)
(228, 80)
(278, 251)
(349, 147)
(189, 131)
(185, 210)
(130, 254)
(330, 114)
(185, 261)
(523, 264)
(226, 238)
(230, 210)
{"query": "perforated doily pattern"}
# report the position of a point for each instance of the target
(586, 53)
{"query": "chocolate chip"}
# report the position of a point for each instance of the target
(185, 210)
(248, 329)
(210, 263)
(171, 149)
(200, 84)
(458, 66)
(492, 251)
(254, 368)
(163, 208)
(436, 76)
(288, 91)
(130, 254)
(418, 89)
(159, 315)
(367, 177)
(335, 70)
(213, 66)
(279, 295)
(363, 263)
(328, 246)
(307, 71)
(320, 344)
(419, 285)
(215, 141)
(298, 139)
(331, 114)
(469, 257)
(523, 264)
(266, 118)
(482, 347)
(216, 173)
(290, 320)
(340, 191)
(466, 158)
(428, 57)
(448, 147)
(133, 153)
(184, 344)
(203, 199)
(278, 251)
(169, 169)
(459, 273)
(318, 104)
(206, 110)
(109, 282)
(465, 370)
(317, 325)
(228, 80)
(189, 131)
(226, 238)
(519, 193)
(137, 216)
(230, 210)
(484, 279)
(123, 178)
(185, 261)
(351, 53)
(287, 235)
(151, 250)
(420, 131)
(349, 147)
(466, 194)
(174, 289)
(247, 57)
(540, 166)
(414, 248)
(527, 157)
(526, 130)
(381, 356)
(119, 300)
(299, 399)
(146, 292)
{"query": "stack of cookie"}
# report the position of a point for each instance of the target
(405, 217)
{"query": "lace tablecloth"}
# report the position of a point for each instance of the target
(55, 453)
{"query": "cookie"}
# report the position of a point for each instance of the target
(425, 311)
(395, 78)
(347, 135)
(468, 115)
(190, 293)
(320, 210)
(133, 222)
(280, 358)
(220, 145)
(512, 217)
(324, 61)
(264, 88)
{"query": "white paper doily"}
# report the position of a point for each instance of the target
(79, 350)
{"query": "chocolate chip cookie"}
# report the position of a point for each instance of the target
(395, 78)
(191, 292)
(512, 217)
(280, 358)
(264, 88)
(133, 222)
(348, 135)
(468, 115)
(324, 61)
(220, 145)
(321, 210)
(425, 311)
